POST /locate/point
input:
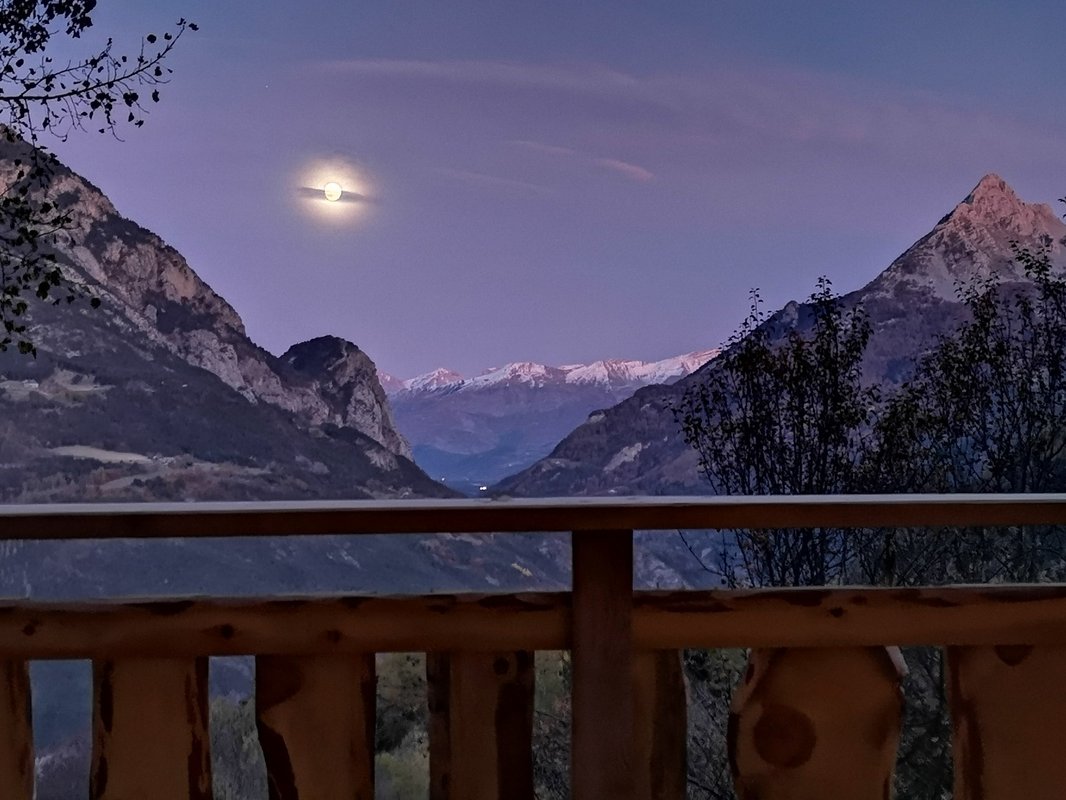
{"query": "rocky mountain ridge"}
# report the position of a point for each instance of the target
(635, 447)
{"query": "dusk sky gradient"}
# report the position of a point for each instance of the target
(567, 181)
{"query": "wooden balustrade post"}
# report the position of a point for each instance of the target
(16, 731)
(660, 726)
(150, 730)
(1007, 707)
(816, 722)
(480, 725)
(316, 718)
(603, 742)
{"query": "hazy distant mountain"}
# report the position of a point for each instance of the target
(635, 447)
(474, 431)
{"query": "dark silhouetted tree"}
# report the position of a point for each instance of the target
(102, 90)
(786, 413)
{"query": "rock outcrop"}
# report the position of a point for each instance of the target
(345, 380)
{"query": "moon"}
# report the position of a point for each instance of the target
(332, 191)
(335, 190)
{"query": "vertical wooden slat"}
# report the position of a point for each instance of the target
(316, 717)
(481, 725)
(16, 732)
(602, 748)
(1008, 704)
(660, 725)
(150, 730)
(439, 701)
(812, 723)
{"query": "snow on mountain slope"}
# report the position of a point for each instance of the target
(638, 373)
(610, 373)
(432, 381)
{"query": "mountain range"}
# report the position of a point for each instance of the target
(470, 432)
(635, 447)
(160, 394)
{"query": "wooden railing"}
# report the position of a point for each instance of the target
(817, 715)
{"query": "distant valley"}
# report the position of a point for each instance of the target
(472, 432)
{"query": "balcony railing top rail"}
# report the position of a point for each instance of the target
(624, 514)
(817, 713)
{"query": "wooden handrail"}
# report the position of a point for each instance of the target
(840, 617)
(819, 669)
(163, 520)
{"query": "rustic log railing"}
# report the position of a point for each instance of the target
(817, 715)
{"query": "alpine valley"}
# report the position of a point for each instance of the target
(476, 431)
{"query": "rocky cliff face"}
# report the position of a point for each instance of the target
(154, 288)
(345, 379)
(636, 447)
(165, 374)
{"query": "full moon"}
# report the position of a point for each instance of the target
(332, 191)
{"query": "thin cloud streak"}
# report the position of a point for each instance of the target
(752, 108)
(585, 79)
(631, 171)
(482, 179)
(546, 149)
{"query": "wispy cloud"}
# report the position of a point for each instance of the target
(546, 149)
(581, 79)
(730, 144)
(753, 107)
(485, 180)
(631, 171)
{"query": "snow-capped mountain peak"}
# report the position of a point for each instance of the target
(528, 373)
(390, 383)
(616, 372)
(613, 374)
(436, 380)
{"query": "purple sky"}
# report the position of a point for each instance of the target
(563, 181)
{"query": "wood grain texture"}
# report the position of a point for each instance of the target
(1008, 704)
(603, 740)
(816, 723)
(315, 716)
(619, 514)
(291, 626)
(481, 725)
(660, 723)
(843, 617)
(492, 623)
(16, 731)
(150, 730)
